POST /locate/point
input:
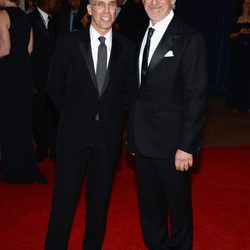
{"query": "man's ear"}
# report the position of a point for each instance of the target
(89, 9)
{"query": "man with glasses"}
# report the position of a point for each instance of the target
(90, 81)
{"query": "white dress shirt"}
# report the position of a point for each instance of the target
(44, 16)
(160, 28)
(94, 35)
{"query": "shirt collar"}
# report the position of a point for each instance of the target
(124, 3)
(43, 14)
(94, 35)
(73, 11)
(161, 26)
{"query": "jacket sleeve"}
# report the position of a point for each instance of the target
(130, 77)
(56, 82)
(194, 75)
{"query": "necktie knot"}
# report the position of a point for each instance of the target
(102, 40)
(74, 13)
(49, 18)
(150, 32)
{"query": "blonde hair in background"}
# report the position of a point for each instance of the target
(17, 2)
(4, 3)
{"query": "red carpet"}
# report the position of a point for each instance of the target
(221, 191)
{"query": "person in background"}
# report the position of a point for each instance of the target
(239, 75)
(69, 19)
(29, 5)
(44, 114)
(16, 43)
(90, 82)
(165, 124)
(131, 18)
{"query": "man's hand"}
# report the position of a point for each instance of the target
(183, 160)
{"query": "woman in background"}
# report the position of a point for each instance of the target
(29, 5)
(16, 42)
(239, 76)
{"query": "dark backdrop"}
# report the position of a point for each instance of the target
(214, 19)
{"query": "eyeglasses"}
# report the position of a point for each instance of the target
(102, 5)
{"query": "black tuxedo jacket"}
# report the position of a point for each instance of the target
(43, 48)
(131, 19)
(73, 89)
(62, 21)
(169, 107)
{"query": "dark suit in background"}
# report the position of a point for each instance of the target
(44, 116)
(70, 18)
(165, 124)
(62, 21)
(86, 144)
(131, 19)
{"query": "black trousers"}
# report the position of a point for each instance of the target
(72, 164)
(164, 192)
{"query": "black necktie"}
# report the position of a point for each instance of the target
(74, 22)
(49, 22)
(101, 66)
(144, 65)
(50, 25)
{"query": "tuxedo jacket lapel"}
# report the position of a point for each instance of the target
(138, 49)
(166, 43)
(85, 48)
(163, 47)
(41, 24)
